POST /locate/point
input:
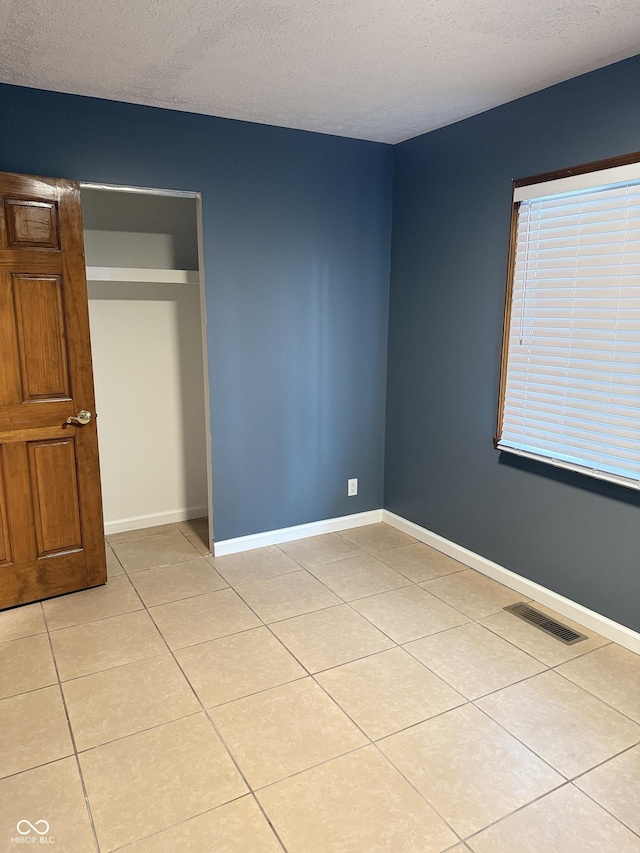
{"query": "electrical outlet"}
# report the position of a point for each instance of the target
(352, 487)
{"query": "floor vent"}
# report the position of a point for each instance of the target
(546, 623)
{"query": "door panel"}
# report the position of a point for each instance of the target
(31, 223)
(51, 529)
(54, 488)
(41, 337)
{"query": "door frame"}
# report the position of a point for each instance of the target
(91, 185)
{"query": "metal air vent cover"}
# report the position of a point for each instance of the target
(545, 623)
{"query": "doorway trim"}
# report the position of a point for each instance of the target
(90, 185)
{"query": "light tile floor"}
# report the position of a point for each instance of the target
(348, 693)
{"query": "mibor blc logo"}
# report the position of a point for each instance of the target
(33, 833)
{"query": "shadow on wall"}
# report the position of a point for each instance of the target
(554, 473)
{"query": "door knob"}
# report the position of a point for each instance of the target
(83, 417)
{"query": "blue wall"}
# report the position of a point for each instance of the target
(297, 233)
(452, 195)
(296, 238)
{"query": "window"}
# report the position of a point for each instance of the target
(570, 379)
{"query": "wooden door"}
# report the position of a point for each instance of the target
(51, 528)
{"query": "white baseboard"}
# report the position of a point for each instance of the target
(300, 531)
(529, 589)
(565, 606)
(139, 521)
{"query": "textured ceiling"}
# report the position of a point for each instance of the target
(372, 69)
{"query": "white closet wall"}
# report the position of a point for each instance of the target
(146, 339)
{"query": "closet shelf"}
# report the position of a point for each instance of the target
(135, 274)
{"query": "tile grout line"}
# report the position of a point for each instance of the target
(565, 783)
(374, 744)
(321, 763)
(476, 621)
(115, 666)
(601, 805)
(203, 709)
(484, 695)
(411, 784)
(73, 742)
(343, 602)
(137, 732)
(100, 619)
(214, 727)
(222, 741)
(124, 847)
(603, 762)
(473, 620)
(38, 766)
(598, 698)
(339, 708)
(522, 743)
(40, 686)
(342, 710)
(566, 780)
(531, 749)
(413, 639)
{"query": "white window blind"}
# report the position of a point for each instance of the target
(571, 392)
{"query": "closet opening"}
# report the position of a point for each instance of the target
(147, 313)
